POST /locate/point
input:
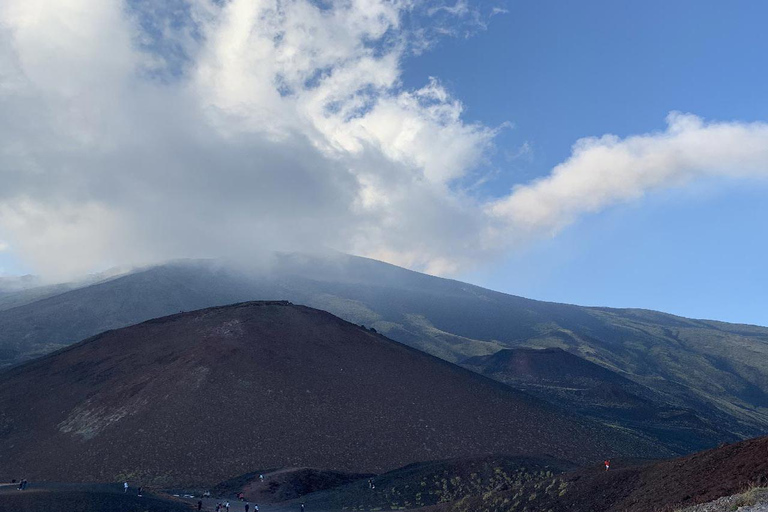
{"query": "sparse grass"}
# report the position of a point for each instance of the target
(753, 495)
(750, 497)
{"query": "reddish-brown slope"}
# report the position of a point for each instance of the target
(659, 487)
(204, 396)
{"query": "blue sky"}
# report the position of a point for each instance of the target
(140, 135)
(564, 70)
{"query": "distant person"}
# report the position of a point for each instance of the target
(247, 507)
(125, 487)
(302, 507)
(139, 492)
(21, 484)
(226, 505)
(261, 478)
(607, 464)
(255, 507)
(199, 504)
(370, 483)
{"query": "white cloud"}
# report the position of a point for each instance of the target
(143, 131)
(607, 170)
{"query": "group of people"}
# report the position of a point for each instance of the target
(224, 507)
(220, 507)
(22, 484)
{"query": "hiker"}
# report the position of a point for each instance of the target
(125, 487)
(226, 505)
(255, 507)
(607, 464)
(139, 492)
(261, 478)
(247, 507)
(199, 504)
(21, 484)
(302, 507)
(370, 483)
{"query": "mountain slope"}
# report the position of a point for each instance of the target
(661, 487)
(719, 369)
(429, 483)
(200, 397)
(576, 384)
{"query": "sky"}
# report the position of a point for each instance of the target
(600, 153)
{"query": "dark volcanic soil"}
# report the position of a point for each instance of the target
(660, 487)
(200, 397)
(285, 484)
(428, 483)
(82, 498)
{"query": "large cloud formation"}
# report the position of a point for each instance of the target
(137, 131)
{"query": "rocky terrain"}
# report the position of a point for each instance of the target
(650, 487)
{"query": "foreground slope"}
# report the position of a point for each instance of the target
(660, 487)
(200, 397)
(719, 369)
(83, 498)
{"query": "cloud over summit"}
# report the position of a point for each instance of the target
(140, 131)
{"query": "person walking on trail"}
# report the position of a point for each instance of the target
(261, 478)
(607, 464)
(139, 492)
(247, 507)
(255, 507)
(226, 505)
(302, 507)
(199, 504)
(125, 487)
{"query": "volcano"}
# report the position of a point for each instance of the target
(199, 397)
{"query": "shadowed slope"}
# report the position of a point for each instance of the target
(579, 385)
(204, 396)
